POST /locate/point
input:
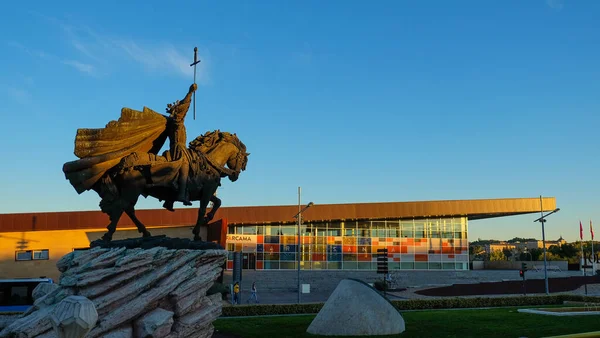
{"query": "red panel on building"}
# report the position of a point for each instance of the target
(217, 232)
(349, 248)
(364, 257)
(319, 257)
(421, 258)
(271, 248)
(394, 249)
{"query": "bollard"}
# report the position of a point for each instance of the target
(74, 317)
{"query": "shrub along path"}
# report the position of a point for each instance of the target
(564, 284)
(412, 304)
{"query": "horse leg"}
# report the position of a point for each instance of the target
(216, 205)
(141, 227)
(201, 220)
(114, 217)
(109, 204)
(132, 189)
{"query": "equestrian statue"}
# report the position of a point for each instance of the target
(121, 163)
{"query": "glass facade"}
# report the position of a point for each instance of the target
(419, 244)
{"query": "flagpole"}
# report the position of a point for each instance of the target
(581, 243)
(593, 258)
(584, 264)
(582, 258)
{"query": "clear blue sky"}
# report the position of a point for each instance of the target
(354, 101)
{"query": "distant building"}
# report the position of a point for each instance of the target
(539, 244)
(522, 246)
(423, 235)
(499, 247)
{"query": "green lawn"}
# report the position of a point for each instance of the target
(506, 322)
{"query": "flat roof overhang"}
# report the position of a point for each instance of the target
(472, 209)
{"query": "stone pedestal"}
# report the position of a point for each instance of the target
(137, 290)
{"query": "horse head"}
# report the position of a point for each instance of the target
(223, 148)
(237, 162)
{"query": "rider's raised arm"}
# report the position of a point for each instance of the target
(179, 111)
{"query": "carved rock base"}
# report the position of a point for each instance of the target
(137, 292)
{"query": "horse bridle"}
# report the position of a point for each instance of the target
(239, 162)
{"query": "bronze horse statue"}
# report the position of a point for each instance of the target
(121, 163)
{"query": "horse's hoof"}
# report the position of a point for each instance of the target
(197, 238)
(147, 234)
(196, 231)
(107, 238)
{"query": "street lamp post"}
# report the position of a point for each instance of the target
(299, 224)
(542, 220)
(530, 255)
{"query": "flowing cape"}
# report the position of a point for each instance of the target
(101, 149)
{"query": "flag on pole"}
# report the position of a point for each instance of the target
(580, 230)
(591, 230)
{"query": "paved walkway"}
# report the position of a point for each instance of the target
(288, 297)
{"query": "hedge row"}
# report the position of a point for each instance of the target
(272, 309)
(413, 304)
(457, 303)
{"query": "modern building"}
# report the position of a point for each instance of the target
(428, 235)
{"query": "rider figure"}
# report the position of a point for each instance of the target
(178, 147)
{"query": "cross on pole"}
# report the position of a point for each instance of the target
(196, 61)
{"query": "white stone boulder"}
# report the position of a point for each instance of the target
(356, 309)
